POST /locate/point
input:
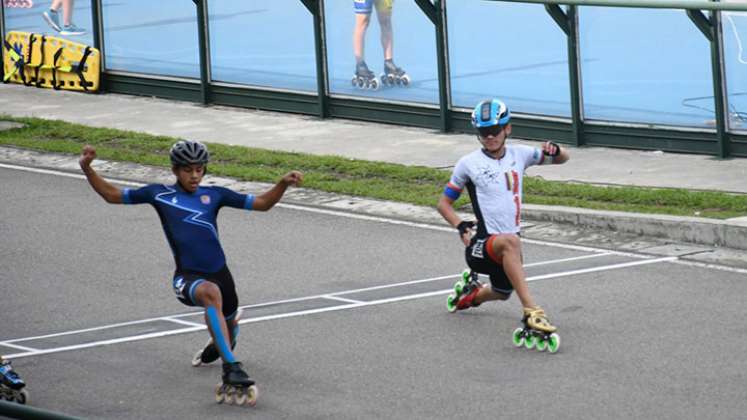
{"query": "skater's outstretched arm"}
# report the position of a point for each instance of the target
(107, 191)
(267, 200)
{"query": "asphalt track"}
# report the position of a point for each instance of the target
(345, 318)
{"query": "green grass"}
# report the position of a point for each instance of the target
(409, 184)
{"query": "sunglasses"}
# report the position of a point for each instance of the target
(490, 131)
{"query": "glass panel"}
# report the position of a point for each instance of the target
(645, 66)
(250, 43)
(514, 52)
(20, 17)
(151, 37)
(734, 26)
(413, 45)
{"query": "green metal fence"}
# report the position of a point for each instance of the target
(705, 15)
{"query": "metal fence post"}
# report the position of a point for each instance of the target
(202, 37)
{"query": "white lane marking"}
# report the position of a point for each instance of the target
(16, 346)
(602, 268)
(711, 266)
(314, 311)
(183, 322)
(349, 215)
(341, 299)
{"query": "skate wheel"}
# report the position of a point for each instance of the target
(518, 337)
(405, 80)
(22, 396)
(553, 343)
(459, 287)
(354, 81)
(530, 342)
(542, 344)
(220, 395)
(252, 393)
(451, 304)
(374, 84)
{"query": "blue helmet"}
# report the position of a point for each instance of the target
(490, 113)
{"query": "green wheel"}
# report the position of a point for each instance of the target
(542, 344)
(530, 342)
(458, 287)
(518, 337)
(553, 343)
(451, 303)
(465, 275)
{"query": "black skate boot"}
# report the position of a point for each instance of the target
(11, 385)
(364, 78)
(393, 75)
(237, 387)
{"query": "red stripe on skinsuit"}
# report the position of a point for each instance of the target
(516, 181)
(498, 259)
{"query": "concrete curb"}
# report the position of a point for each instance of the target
(729, 233)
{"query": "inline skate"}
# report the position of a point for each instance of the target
(393, 75)
(237, 387)
(536, 332)
(465, 290)
(12, 387)
(364, 78)
(209, 353)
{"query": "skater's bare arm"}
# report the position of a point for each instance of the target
(107, 191)
(446, 208)
(267, 200)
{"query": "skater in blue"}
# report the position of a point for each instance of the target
(365, 78)
(188, 215)
(12, 387)
(493, 176)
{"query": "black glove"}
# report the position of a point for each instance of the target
(464, 226)
(557, 150)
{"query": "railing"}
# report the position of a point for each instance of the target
(716, 138)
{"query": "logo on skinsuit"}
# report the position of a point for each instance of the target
(205, 199)
(179, 287)
(478, 249)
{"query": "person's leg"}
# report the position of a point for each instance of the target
(384, 15)
(67, 12)
(362, 20)
(209, 296)
(505, 249)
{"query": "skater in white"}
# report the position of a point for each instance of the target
(493, 177)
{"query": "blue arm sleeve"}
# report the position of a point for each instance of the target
(139, 195)
(236, 200)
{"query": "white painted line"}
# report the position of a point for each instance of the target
(103, 327)
(332, 297)
(16, 346)
(562, 260)
(315, 311)
(711, 266)
(106, 342)
(180, 321)
(601, 268)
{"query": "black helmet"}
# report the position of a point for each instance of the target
(187, 152)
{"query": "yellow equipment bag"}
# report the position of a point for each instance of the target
(50, 62)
